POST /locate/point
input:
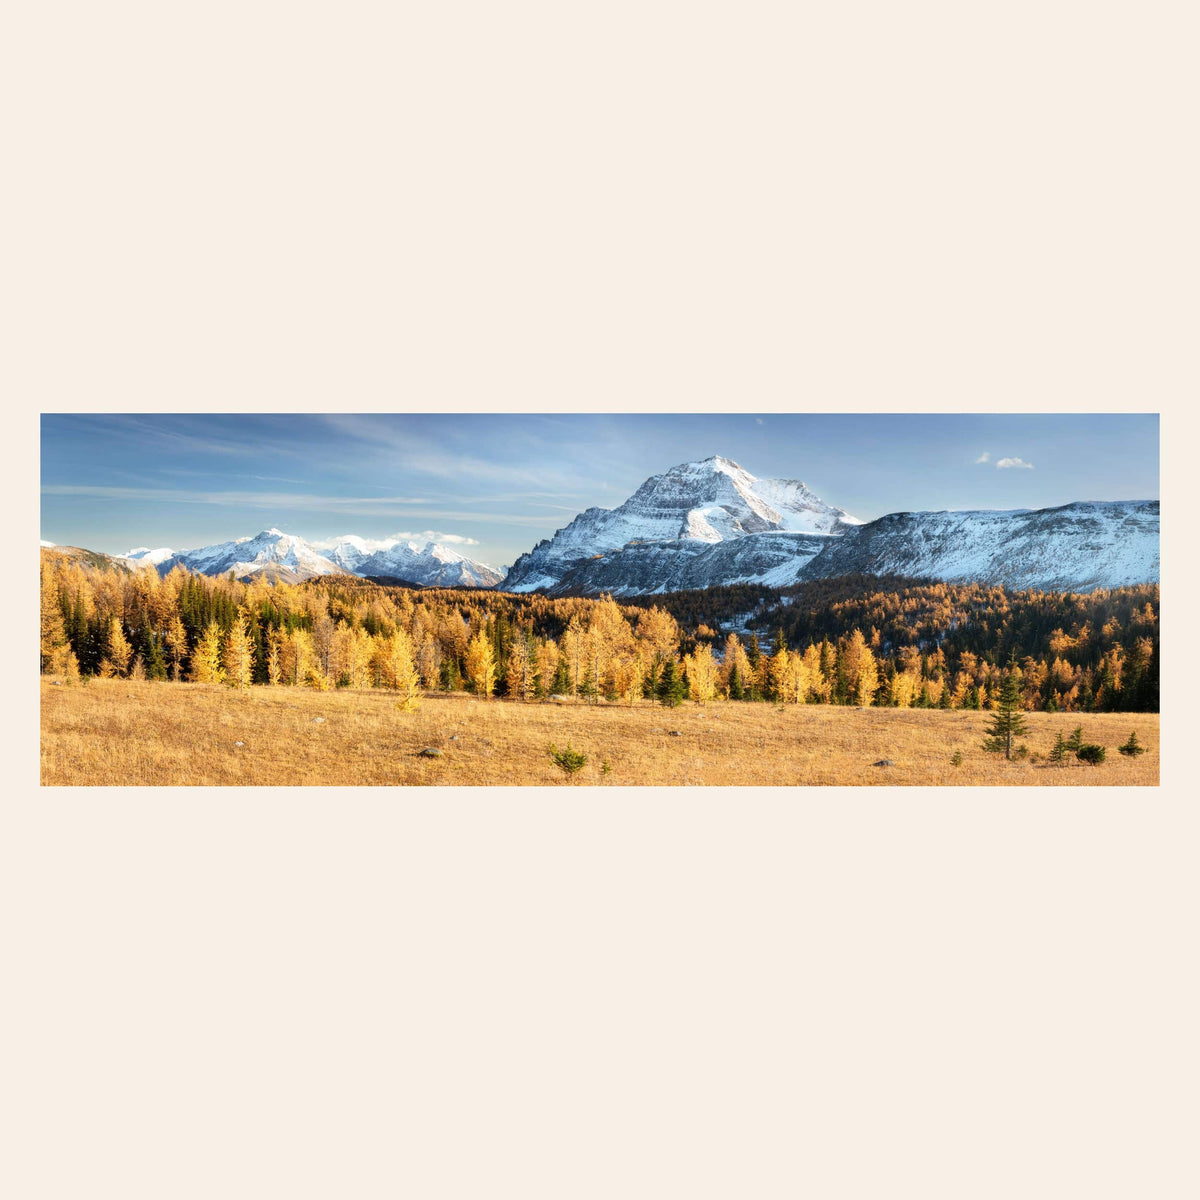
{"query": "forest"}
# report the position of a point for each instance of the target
(853, 641)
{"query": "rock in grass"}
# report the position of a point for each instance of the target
(318, 720)
(883, 762)
(429, 752)
(674, 733)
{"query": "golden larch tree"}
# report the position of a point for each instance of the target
(117, 650)
(702, 674)
(519, 670)
(206, 656)
(819, 686)
(55, 647)
(860, 669)
(274, 643)
(782, 673)
(399, 668)
(735, 660)
(547, 665)
(237, 658)
(176, 642)
(481, 665)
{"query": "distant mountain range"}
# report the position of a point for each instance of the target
(276, 555)
(711, 523)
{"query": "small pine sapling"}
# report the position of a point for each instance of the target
(1133, 747)
(1060, 750)
(1092, 755)
(1076, 739)
(1006, 721)
(570, 759)
(956, 759)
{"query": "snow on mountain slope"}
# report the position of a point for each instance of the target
(1076, 547)
(271, 552)
(776, 559)
(145, 556)
(276, 555)
(431, 565)
(704, 503)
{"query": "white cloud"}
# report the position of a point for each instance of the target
(986, 456)
(1014, 462)
(758, 420)
(428, 535)
(432, 535)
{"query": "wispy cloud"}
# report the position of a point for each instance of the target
(414, 507)
(986, 456)
(758, 420)
(426, 535)
(1014, 462)
(249, 499)
(148, 431)
(404, 450)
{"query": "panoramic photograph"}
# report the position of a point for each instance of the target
(480, 599)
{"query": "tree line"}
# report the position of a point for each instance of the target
(931, 645)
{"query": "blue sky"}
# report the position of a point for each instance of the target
(495, 484)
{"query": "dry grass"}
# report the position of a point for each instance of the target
(122, 732)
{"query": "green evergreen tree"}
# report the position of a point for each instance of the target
(1059, 753)
(735, 684)
(152, 655)
(1133, 747)
(754, 656)
(672, 687)
(1006, 721)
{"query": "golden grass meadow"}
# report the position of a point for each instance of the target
(122, 732)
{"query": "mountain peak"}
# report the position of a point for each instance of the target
(707, 501)
(714, 463)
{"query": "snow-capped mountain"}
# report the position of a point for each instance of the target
(711, 523)
(431, 564)
(277, 555)
(694, 505)
(271, 553)
(144, 556)
(1076, 547)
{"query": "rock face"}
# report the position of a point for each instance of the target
(688, 509)
(774, 559)
(1078, 547)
